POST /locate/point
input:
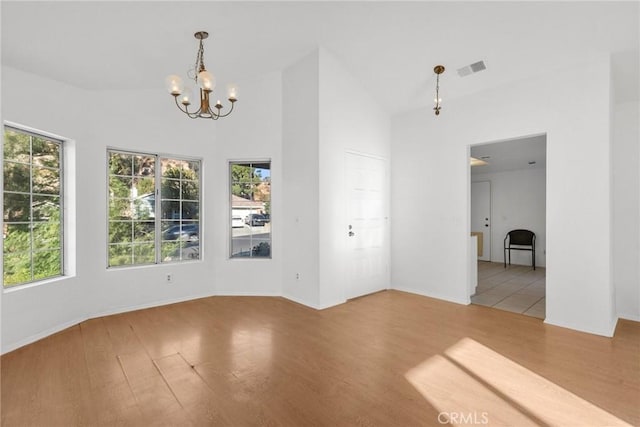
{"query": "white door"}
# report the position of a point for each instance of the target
(481, 217)
(366, 230)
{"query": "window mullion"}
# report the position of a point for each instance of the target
(31, 242)
(158, 206)
(61, 206)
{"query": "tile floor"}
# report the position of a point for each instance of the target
(517, 288)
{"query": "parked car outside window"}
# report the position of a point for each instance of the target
(255, 220)
(187, 232)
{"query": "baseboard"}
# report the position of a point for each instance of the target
(246, 294)
(633, 317)
(331, 304)
(127, 309)
(40, 335)
(300, 301)
(50, 331)
(448, 298)
(607, 331)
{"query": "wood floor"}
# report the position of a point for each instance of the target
(388, 359)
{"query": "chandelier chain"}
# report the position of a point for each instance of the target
(200, 59)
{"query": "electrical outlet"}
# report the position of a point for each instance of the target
(297, 276)
(169, 278)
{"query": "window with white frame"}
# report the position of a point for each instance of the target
(33, 215)
(250, 207)
(154, 209)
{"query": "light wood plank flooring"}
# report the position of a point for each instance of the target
(517, 288)
(388, 359)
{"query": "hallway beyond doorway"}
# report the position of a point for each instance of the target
(517, 288)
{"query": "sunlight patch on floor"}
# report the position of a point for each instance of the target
(471, 384)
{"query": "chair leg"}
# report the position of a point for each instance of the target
(505, 257)
(533, 258)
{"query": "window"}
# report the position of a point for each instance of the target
(250, 209)
(141, 185)
(32, 217)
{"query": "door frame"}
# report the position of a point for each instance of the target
(485, 246)
(468, 226)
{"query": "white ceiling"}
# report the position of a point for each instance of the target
(391, 47)
(513, 154)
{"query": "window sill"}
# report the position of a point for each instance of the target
(17, 288)
(145, 266)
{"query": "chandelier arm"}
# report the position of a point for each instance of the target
(192, 115)
(179, 105)
(226, 114)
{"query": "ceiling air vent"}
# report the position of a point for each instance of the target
(473, 68)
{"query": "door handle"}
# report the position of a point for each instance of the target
(351, 234)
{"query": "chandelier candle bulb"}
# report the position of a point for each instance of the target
(185, 99)
(207, 80)
(174, 84)
(233, 92)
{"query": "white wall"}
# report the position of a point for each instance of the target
(146, 121)
(32, 311)
(252, 132)
(430, 178)
(300, 171)
(518, 200)
(626, 210)
(326, 112)
(350, 120)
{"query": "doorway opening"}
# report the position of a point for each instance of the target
(508, 192)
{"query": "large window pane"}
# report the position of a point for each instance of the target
(134, 181)
(32, 217)
(250, 209)
(180, 204)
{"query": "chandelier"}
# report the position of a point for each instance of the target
(438, 69)
(206, 82)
